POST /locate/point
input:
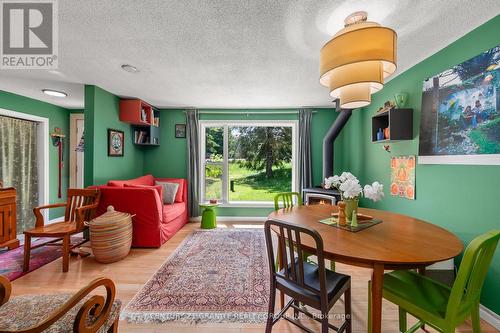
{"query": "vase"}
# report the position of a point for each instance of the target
(350, 205)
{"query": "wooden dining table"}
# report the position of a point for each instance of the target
(398, 242)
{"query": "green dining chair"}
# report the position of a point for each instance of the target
(436, 304)
(286, 199)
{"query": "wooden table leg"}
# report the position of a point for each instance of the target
(376, 294)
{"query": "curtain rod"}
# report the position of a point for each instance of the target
(249, 112)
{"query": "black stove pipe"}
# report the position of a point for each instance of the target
(329, 140)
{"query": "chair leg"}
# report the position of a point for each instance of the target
(476, 320)
(347, 309)
(114, 327)
(369, 317)
(324, 322)
(27, 253)
(402, 320)
(65, 253)
(295, 311)
(270, 312)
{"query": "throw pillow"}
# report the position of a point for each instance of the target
(179, 197)
(169, 191)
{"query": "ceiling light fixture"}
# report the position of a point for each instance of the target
(54, 93)
(129, 68)
(355, 62)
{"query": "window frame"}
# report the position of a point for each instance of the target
(225, 124)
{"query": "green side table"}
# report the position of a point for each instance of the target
(208, 217)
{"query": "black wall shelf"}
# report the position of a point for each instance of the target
(399, 122)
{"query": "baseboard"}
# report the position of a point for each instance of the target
(489, 316)
(233, 219)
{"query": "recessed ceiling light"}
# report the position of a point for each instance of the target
(54, 93)
(129, 68)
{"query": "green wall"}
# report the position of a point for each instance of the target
(169, 160)
(102, 112)
(460, 198)
(58, 117)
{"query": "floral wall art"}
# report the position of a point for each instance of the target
(403, 176)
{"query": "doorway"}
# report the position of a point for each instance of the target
(76, 155)
(42, 152)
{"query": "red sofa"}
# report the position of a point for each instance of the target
(154, 223)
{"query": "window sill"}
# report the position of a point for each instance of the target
(246, 204)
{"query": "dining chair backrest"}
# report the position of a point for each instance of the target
(78, 198)
(286, 199)
(291, 249)
(476, 260)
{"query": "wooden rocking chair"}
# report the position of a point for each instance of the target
(88, 311)
(80, 206)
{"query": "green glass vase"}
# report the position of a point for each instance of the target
(350, 206)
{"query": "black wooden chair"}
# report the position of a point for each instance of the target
(305, 283)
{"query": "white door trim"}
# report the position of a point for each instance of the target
(43, 153)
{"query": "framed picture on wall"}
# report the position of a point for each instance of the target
(403, 176)
(115, 142)
(180, 130)
(460, 117)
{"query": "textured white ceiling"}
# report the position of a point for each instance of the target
(227, 54)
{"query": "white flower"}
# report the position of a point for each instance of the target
(331, 182)
(347, 176)
(350, 188)
(374, 192)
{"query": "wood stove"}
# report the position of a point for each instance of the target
(320, 196)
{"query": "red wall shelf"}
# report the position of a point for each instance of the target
(145, 121)
(136, 112)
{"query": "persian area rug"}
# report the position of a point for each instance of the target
(219, 275)
(11, 262)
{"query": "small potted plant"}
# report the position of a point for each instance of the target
(350, 191)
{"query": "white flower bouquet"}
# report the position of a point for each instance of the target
(348, 186)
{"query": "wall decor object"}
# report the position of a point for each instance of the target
(401, 99)
(403, 176)
(58, 141)
(180, 130)
(460, 118)
(115, 142)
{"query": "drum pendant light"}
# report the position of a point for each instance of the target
(355, 62)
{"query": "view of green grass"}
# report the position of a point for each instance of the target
(487, 137)
(249, 185)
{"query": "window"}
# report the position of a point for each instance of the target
(247, 162)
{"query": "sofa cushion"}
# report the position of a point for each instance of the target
(143, 180)
(170, 212)
(179, 197)
(169, 191)
(24, 311)
(158, 188)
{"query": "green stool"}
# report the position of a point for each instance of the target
(208, 217)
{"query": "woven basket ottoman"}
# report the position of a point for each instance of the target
(111, 235)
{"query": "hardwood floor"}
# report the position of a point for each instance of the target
(132, 273)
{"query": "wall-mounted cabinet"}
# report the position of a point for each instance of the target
(144, 120)
(394, 124)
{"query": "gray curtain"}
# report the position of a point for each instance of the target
(193, 151)
(305, 170)
(19, 167)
